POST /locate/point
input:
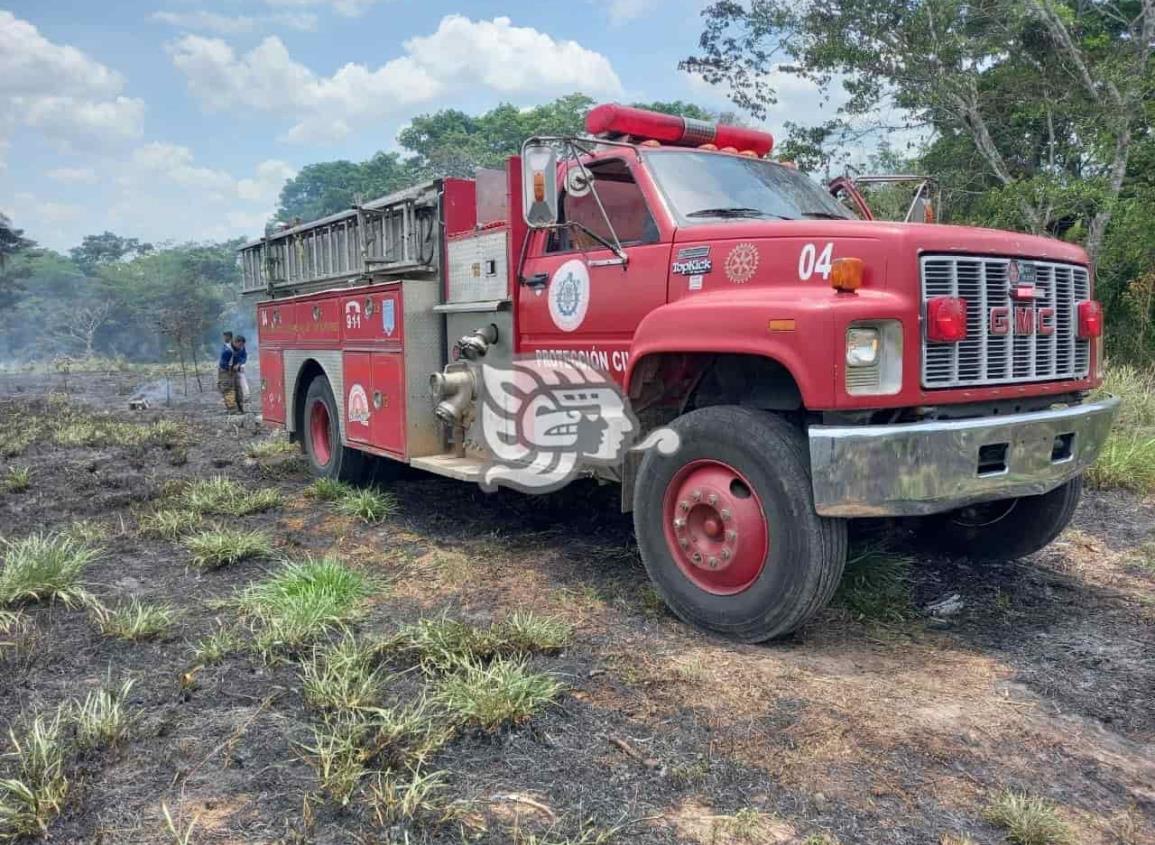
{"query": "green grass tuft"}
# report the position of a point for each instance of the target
(18, 479)
(368, 505)
(522, 631)
(327, 490)
(442, 643)
(1029, 820)
(342, 676)
(224, 497)
(102, 720)
(169, 523)
(398, 798)
(224, 546)
(216, 647)
(87, 532)
(876, 586)
(294, 606)
(273, 447)
(35, 795)
(500, 692)
(134, 620)
(1127, 461)
(44, 567)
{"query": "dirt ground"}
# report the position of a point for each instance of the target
(852, 731)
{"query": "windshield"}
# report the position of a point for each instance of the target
(704, 186)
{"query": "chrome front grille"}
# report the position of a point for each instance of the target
(986, 358)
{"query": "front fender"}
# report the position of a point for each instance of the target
(750, 321)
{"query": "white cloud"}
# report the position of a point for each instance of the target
(459, 56)
(266, 186)
(72, 175)
(203, 21)
(624, 11)
(56, 89)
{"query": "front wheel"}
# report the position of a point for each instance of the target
(727, 528)
(1006, 529)
(321, 434)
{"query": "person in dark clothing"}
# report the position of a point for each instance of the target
(240, 356)
(227, 374)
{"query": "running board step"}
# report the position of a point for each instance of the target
(451, 466)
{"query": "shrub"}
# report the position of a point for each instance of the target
(44, 567)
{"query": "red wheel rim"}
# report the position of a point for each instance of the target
(715, 527)
(320, 432)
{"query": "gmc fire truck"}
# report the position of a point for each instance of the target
(816, 366)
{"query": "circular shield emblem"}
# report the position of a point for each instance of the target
(358, 405)
(742, 263)
(569, 295)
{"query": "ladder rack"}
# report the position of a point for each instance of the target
(395, 235)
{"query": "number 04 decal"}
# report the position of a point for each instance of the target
(811, 261)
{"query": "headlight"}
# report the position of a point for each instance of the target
(874, 358)
(861, 347)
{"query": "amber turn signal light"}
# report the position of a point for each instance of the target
(846, 273)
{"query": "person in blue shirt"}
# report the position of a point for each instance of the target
(240, 356)
(227, 373)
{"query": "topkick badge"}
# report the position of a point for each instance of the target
(569, 295)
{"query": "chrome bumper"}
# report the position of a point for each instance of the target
(912, 469)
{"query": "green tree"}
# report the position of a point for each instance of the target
(12, 244)
(1040, 99)
(106, 248)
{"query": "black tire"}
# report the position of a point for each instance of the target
(806, 553)
(1003, 530)
(342, 463)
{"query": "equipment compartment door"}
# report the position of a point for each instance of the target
(272, 385)
(358, 386)
(387, 403)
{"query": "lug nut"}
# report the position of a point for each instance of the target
(696, 557)
(731, 535)
(726, 514)
(725, 554)
(679, 523)
(684, 543)
(712, 499)
(684, 505)
(712, 563)
(697, 495)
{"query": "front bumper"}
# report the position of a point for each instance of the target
(911, 469)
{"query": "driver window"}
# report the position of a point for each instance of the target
(624, 204)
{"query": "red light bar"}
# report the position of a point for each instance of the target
(612, 119)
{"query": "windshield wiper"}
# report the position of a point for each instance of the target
(733, 212)
(823, 215)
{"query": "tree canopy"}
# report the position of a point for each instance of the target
(445, 143)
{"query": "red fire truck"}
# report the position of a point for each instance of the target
(816, 366)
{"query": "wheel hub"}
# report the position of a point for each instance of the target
(715, 527)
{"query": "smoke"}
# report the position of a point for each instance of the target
(154, 392)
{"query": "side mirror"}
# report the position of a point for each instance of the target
(539, 185)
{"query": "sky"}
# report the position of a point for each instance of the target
(180, 120)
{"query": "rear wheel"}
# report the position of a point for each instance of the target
(727, 528)
(1006, 529)
(321, 434)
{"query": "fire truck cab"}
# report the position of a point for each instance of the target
(816, 367)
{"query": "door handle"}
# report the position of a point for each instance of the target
(537, 280)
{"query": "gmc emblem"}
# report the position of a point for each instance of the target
(1027, 320)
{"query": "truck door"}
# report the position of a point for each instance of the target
(576, 299)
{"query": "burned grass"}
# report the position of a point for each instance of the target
(840, 733)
